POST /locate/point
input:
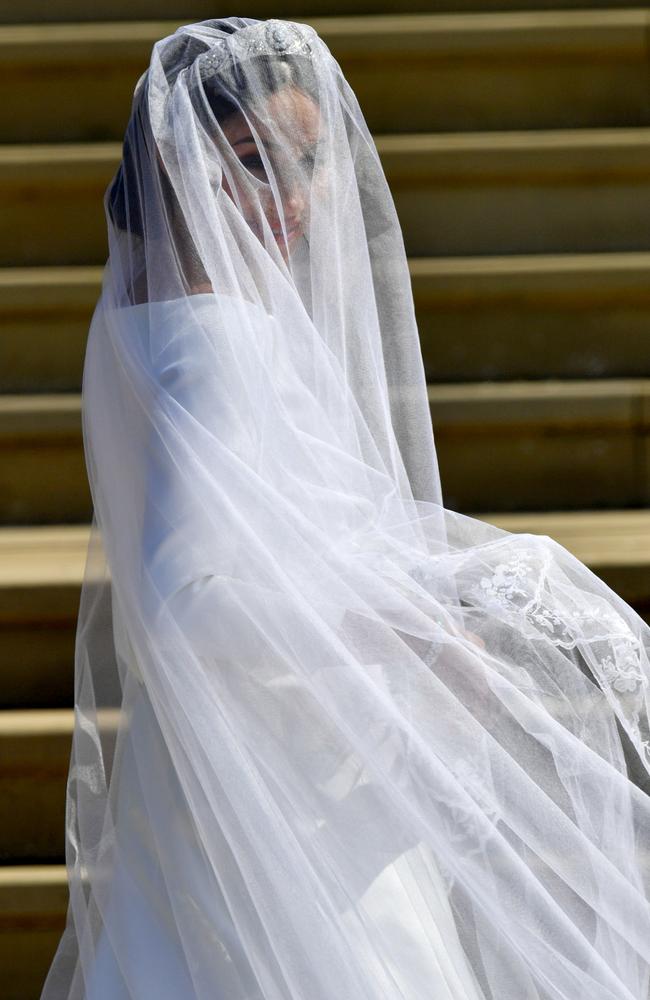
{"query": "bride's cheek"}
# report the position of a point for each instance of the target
(243, 203)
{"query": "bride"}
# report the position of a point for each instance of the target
(333, 741)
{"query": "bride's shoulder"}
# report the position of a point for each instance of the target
(194, 306)
(187, 331)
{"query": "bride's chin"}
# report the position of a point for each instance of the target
(293, 236)
(286, 248)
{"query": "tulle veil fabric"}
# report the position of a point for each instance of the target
(333, 741)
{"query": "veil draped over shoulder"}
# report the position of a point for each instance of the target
(332, 740)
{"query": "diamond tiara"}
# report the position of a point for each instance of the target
(271, 37)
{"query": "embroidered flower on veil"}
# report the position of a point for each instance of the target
(527, 589)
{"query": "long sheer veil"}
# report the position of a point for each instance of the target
(332, 740)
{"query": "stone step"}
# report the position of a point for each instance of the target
(527, 192)
(35, 749)
(557, 191)
(521, 445)
(513, 317)
(33, 901)
(533, 316)
(504, 70)
(41, 570)
(543, 445)
(42, 467)
(44, 315)
(63, 11)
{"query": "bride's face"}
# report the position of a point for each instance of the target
(289, 139)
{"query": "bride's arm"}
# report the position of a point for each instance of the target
(199, 456)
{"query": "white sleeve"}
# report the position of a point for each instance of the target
(199, 435)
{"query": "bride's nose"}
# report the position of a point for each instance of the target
(293, 202)
(292, 194)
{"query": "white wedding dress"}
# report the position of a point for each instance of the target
(161, 859)
(167, 928)
(156, 849)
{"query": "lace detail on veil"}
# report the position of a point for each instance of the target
(530, 591)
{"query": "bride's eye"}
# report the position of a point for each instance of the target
(253, 162)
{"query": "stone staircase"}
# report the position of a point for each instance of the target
(517, 146)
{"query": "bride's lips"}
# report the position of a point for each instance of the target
(292, 226)
(294, 229)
